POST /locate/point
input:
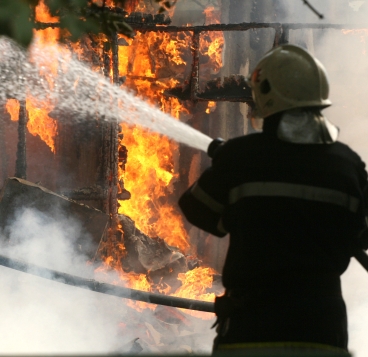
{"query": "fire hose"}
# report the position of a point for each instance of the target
(104, 288)
(126, 293)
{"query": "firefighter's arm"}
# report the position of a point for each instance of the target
(363, 235)
(202, 210)
(204, 202)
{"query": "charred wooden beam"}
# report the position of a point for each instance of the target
(109, 289)
(106, 60)
(244, 26)
(21, 161)
(231, 89)
(94, 193)
(142, 78)
(120, 16)
(46, 25)
(106, 141)
(284, 39)
(194, 77)
(180, 92)
(278, 34)
(115, 58)
(141, 18)
(114, 153)
(4, 156)
(226, 99)
(133, 17)
(106, 168)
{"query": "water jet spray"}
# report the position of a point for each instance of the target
(79, 91)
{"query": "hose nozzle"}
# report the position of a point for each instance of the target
(214, 145)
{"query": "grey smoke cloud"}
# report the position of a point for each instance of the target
(43, 316)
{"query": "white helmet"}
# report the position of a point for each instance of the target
(288, 77)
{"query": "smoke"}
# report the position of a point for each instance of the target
(43, 316)
(36, 234)
(344, 54)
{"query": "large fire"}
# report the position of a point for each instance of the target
(150, 173)
(149, 176)
(152, 63)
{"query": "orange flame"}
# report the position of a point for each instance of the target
(148, 176)
(211, 107)
(212, 42)
(43, 15)
(13, 106)
(131, 280)
(154, 62)
(195, 282)
(131, 5)
(39, 123)
(108, 3)
(194, 285)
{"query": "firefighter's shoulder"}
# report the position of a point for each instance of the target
(238, 144)
(344, 150)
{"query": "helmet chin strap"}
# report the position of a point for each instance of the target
(303, 126)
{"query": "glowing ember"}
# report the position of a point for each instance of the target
(211, 107)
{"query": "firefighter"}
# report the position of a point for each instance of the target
(292, 199)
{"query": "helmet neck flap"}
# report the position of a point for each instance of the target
(303, 126)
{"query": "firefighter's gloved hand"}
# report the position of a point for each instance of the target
(214, 145)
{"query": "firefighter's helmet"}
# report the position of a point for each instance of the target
(288, 77)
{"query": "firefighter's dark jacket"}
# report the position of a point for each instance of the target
(290, 208)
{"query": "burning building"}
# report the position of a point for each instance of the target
(191, 63)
